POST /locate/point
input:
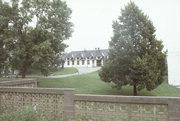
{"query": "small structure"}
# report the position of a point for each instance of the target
(86, 58)
(174, 68)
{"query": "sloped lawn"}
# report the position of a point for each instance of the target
(91, 84)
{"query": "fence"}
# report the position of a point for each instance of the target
(64, 103)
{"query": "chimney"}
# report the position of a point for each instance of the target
(98, 49)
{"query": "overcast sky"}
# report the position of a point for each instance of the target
(93, 22)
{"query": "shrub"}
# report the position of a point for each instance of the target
(26, 114)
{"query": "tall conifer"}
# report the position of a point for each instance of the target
(136, 57)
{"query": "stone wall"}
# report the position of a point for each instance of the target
(57, 103)
(63, 103)
(126, 108)
(18, 82)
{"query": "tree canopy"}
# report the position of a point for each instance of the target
(36, 30)
(6, 43)
(136, 57)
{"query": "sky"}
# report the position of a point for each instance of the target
(93, 19)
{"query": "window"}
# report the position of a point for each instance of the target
(72, 62)
(88, 62)
(68, 63)
(82, 62)
(77, 62)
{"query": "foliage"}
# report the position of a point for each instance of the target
(6, 43)
(26, 114)
(38, 29)
(136, 57)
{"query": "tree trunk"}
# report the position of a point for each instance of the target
(23, 75)
(24, 72)
(135, 90)
(62, 64)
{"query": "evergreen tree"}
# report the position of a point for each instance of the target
(136, 57)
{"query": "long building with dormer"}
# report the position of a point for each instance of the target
(85, 58)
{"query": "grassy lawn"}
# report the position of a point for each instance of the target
(64, 71)
(91, 84)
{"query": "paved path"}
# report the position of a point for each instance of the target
(82, 70)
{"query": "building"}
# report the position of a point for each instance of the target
(86, 58)
(174, 68)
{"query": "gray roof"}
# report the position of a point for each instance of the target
(86, 53)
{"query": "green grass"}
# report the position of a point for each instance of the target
(91, 84)
(64, 71)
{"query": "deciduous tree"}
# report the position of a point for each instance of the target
(6, 37)
(39, 28)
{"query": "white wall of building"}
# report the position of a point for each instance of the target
(174, 69)
(92, 63)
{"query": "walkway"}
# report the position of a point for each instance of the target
(82, 70)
